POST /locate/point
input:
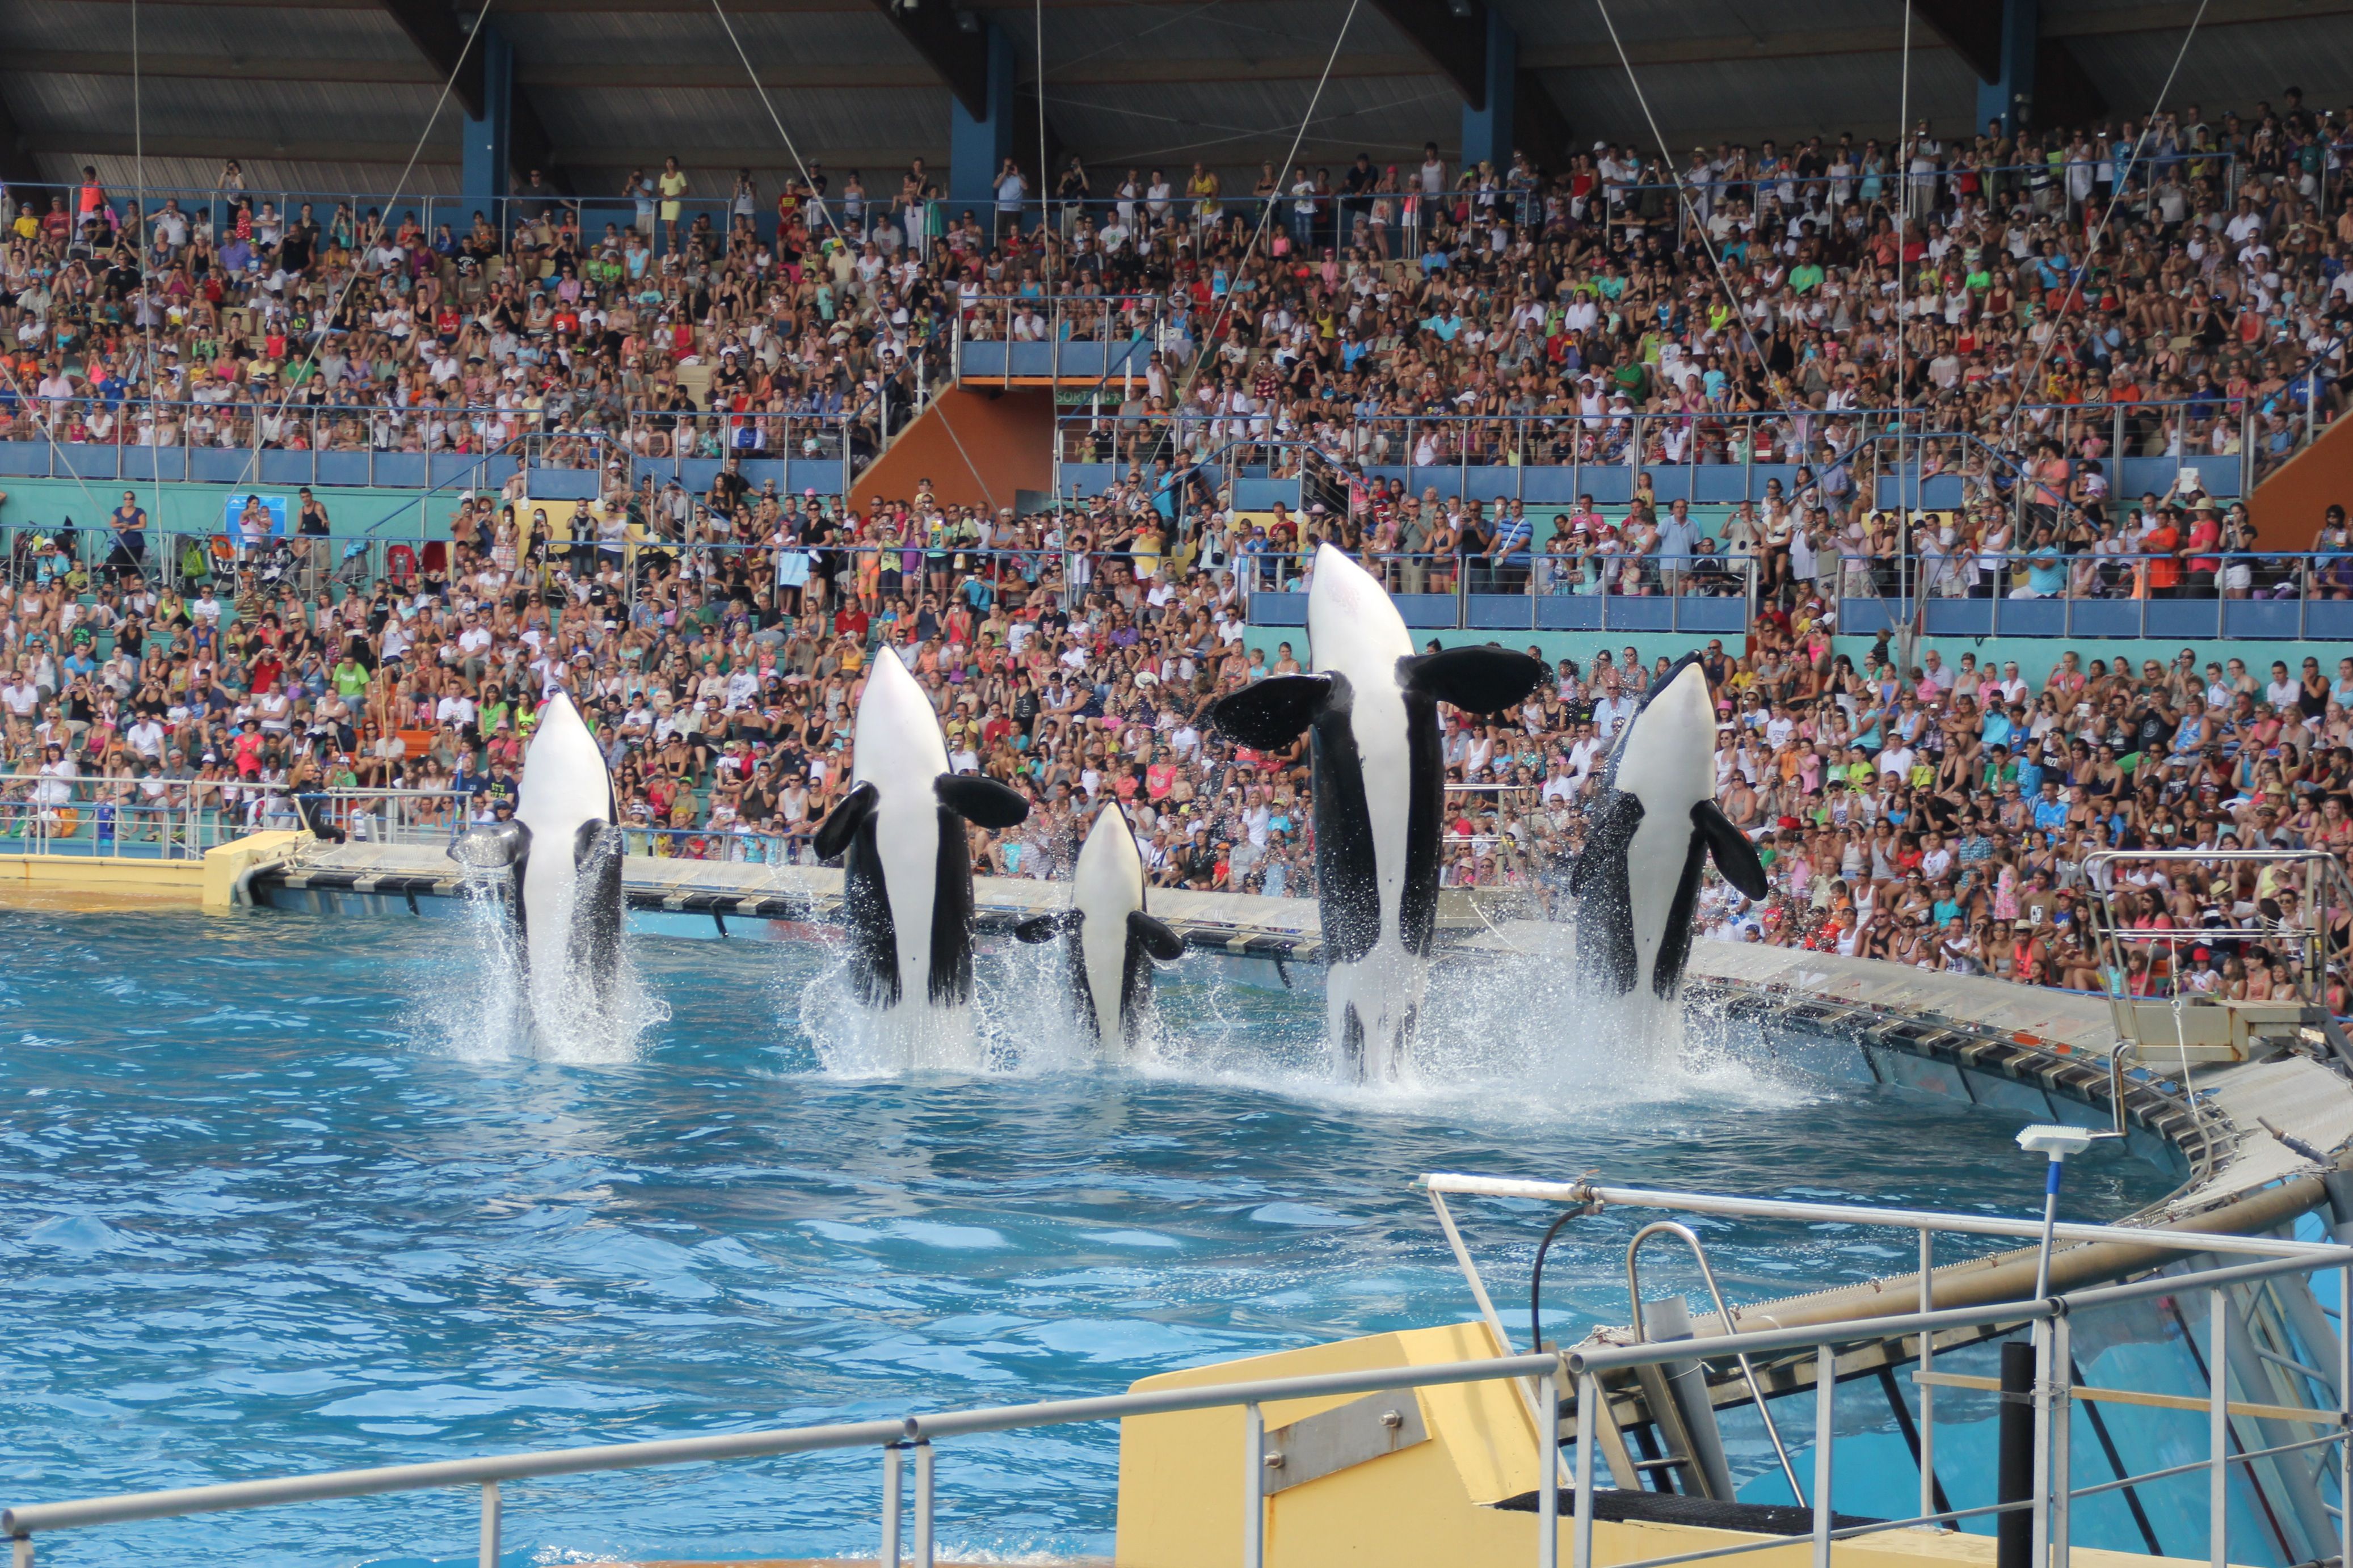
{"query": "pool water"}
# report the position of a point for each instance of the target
(277, 1197)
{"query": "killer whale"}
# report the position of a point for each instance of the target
(1655, 821)
(1369, 706)
(1112, 942)
(907, 883)
(563, 848)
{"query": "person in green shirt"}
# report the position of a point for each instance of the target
(350, 678)
(1806, 276)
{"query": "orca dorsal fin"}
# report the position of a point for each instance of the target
(1046, 928)
(1734, 855)
(1158, 940)
(981, 800)
(1477, 680)
(841, 825)
(1273, 712)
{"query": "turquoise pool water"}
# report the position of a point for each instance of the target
(276, 1197)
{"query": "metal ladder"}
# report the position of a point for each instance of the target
(1676, 1392)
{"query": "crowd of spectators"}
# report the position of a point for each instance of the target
(2186, 278)
(1764, 304)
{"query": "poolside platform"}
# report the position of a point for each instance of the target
(669, 897)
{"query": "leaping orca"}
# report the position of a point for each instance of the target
(564, 848)
(1637, 879)
(1370, 708)
(907, 889)
(1113, 942)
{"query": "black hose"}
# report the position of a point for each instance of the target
(1535, 1281)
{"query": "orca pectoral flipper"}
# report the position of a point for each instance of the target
(1273, 713)
(1478, 679)
(1046, 928)
(1156, 936)
(840, 826)
(593, 838)
(981, 800)
(1609, 825)
(491, 845)
(1734, 855)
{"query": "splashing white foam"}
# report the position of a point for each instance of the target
(483, 1007)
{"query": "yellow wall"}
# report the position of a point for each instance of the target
(45, 878)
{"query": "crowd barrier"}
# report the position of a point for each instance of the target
(274, 445)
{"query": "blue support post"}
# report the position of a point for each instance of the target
(1487, 130)
(2010, 100)
(484, 178)
(977, 148)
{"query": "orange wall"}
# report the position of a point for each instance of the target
(2287, 507)
(976, 447)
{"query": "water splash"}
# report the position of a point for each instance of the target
(485, 1005)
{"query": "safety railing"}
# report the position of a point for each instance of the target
(1526, 588)
(1705, 452)
(819, 441)
(2196, 592)
(1540, 1378)
(736, 846)
(1115, 342)
(2050, 1490)
(392, 816)
(2291, 920)
(712, 206)
(151, 810)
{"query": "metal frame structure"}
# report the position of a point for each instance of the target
(2054, 1380)
(2324, 878)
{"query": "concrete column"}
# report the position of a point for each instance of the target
(977, 148)
(486, 175)
(1487, 131)
(2010, 100)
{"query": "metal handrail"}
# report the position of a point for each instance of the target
(1689, 1238)
(24, 1521)
(1586, 1363)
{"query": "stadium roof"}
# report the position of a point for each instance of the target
(335, 94)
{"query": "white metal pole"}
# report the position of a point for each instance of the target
(1253, 1487)
(2344, 1404)
(2062, 1418)
(489, 1553)
(893, 1459)
(2050, 1219)
(924, 1504)
(1927, 1390)
(2218, 1428)
(1588, 1395)
(1547, 1455)
(1825, 1441)
(20, 1553)
(2039, 1530)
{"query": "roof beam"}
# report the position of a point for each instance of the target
(718, 76)
(1973, 29)
(956, 56)
(436, 36)
(1451, 34)
(2065, 92)
(17, 166)
(214, 147)
(1538, 126)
